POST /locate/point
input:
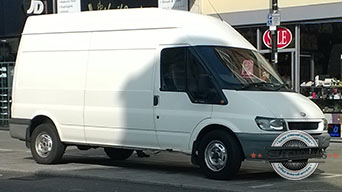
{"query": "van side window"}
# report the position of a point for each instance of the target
(181, 71)
(173, 76)
(200, 84)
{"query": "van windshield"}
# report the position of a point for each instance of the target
(241, 69)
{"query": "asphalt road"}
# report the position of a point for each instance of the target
(93, 171)
(19, 182)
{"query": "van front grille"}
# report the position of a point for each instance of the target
(303, 125)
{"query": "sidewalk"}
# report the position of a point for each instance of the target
(336, 140)
(4, 128)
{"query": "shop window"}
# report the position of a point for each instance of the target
(250, 34)
(321, 72)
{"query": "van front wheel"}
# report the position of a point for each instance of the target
(118, 154)
(46, 147)
(219, 155)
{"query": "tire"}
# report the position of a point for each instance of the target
(219, 155)
(46, 147)
(118, 154)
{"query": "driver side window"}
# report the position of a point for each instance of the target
(181, 71)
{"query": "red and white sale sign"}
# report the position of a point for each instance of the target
(284, 38)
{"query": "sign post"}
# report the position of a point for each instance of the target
(273, 21)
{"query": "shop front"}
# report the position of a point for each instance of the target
(317, 73)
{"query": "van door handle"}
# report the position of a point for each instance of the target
(155, 100)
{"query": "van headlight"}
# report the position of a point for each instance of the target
(270, 124)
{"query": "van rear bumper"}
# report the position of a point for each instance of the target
(258, 147)
(18, 128)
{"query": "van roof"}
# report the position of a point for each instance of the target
(115, 19)
(196, 26)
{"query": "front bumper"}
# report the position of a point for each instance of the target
(258, 146)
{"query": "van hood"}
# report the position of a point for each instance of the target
(286, 105)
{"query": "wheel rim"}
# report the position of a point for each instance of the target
(215, 155)
(43, 145)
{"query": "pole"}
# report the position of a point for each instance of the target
(341, 66)
(297, 59)
(274, 34)
(54, 7)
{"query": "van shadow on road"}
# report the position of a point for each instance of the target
(171, 168)
(161, 163)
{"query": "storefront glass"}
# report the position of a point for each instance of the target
(320, 63)
(8, 52)
(285, 56)
(321, 71)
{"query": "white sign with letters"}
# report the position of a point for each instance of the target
(174, 4)
(68, 6)
(36, 7)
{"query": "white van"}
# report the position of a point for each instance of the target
(152, 79)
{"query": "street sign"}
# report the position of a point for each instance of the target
(36, 7)
(273, 19)
(68, 6)
(174, 4)
(284, 38)
(334, 130)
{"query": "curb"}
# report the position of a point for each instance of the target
(4, 128)
(336, 140)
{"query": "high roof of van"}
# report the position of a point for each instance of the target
(197, 27)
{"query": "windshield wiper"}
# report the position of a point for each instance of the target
(280, 86)
(260, 85)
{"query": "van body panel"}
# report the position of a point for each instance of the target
(240, 112)
(217, 121)
(244, 106)
(119, 91)
(52, 81)
(118, 100)
(176, 117)
(284, 104)
(55, 42)
(174, 114)
(73, 137)
(211, 31)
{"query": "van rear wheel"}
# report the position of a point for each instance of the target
(219, 155)
(46, 147)
(118, 154)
